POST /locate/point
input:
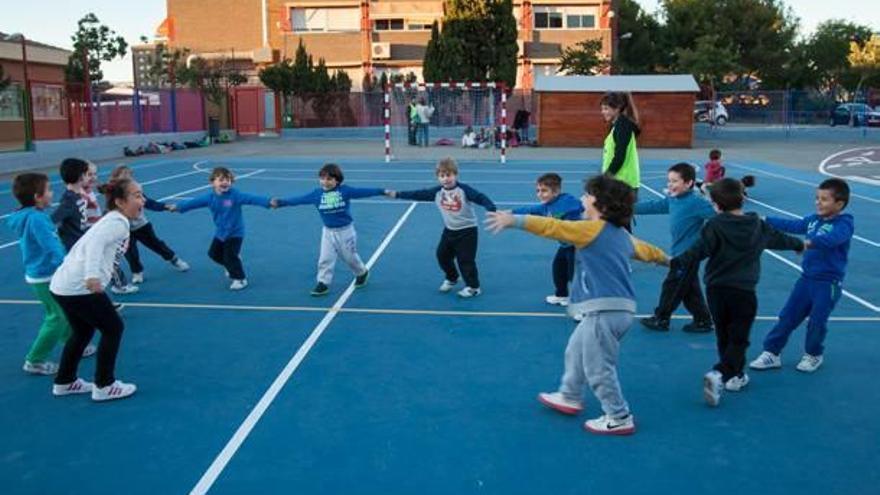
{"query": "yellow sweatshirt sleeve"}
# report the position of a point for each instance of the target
(578, 232)
(649, 253)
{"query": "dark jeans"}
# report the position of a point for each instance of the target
(85, 314)
(677, 290)
(460, 245)
(226, 253)
(146, 236)
(733, 311)
(411, 132)
(563, 269)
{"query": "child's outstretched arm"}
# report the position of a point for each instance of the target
(843, 231)
(428, 194)
(153, 205)
(580, 232)
(778, 241)
(537, 210)
(705, 245)
(361, 192)
(798, 226)
(477, 197)
(253, 199)
(310, 198)
(648, 252)
(653, 207)
(192, 204)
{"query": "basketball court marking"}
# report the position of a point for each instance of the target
(856, 164)
(796, 181)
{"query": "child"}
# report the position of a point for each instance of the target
(71, 215)
(78, 286)
(688, 212)
(338, 237)
(733, 242)
(459, 239)
(469, 138)
(225, 204)
(563, 206)
(715, 171)
(42, 253)
(424, 112)
(818, 289)
(142, 230)
(603, 292)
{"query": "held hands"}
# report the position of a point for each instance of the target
(496, 221)
(172, 208)
(273, 203)
(391, 194)
(94, 286)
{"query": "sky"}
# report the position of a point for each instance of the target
(54, 21)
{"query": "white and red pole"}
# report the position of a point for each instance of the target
(387, 124)
(503, 123)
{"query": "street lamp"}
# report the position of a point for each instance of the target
(29, 112)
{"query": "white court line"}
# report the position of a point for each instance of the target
(210, 476)
(823, 167)
(390, 181)
(587, 172)
(796, 181)
(846, 293)
(393, 311)
(794, 215)
(107, 171)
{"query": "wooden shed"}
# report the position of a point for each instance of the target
(568, 109)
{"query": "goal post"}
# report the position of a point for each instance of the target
(469, 116)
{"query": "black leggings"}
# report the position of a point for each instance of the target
(461, 246)
(86, 314)
(226, 253)
(146, 236)
(563, 269)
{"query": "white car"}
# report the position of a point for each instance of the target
(705, 112)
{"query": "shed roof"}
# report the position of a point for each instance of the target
(678, 83)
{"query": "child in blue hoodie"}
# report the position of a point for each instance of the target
(338, 238)
(688, 212)
(225, 204)
(563, 206)
(828, 233)
(42, 253)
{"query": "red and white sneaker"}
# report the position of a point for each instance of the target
(78, 386)
(558, 402)
(116, 390)
(606, 425)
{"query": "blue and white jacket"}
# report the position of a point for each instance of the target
(333, 205)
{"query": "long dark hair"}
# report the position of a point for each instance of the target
(113, 190)
(624, 103)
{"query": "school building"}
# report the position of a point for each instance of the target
(369, 36)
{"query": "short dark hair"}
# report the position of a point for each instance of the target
(551, 180)
(715, 155)
(614, 199)
(727, 193)
(221, 172)
(838, 187)
(26, 186)
(72, 170)
(332, 170)
(686, 171)
(113, 190)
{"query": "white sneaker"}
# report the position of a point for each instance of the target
(40, 368)
(469, 292)
(737, 383)
(578, 317)
(447, 286)
(137, 278)
(78, 386)
(606, 425)
(118, 307)
(116, 390)
(810, 363)
(238, 284)
(556, 300)
(558, 402)
(89, 350)
(712, 387)
(180, 265)
(766, 361)
(125, 289)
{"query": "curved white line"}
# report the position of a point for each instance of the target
(854, 178)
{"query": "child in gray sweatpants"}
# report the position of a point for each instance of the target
(603, 293)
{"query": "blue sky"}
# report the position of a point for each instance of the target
(53, 21)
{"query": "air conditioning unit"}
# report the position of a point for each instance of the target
(381, 51)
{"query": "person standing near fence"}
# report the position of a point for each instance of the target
(424, 112)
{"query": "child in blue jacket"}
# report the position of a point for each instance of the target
(828, 233)
(688, 212)
(556, 204)
(225, 204)
(338, 237)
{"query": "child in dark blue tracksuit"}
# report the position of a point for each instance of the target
(562, 206)
(828, 235)
(688, 212)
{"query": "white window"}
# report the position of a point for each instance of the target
(578, 21)
(556, 17)
(10, 103)
(323, 20)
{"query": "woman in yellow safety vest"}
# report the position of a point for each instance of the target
(620, 158)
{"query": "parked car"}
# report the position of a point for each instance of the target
(708, 111)
(855, 114)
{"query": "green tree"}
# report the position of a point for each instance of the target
(584, 58)
(212, 78)
(433, 67)
(279, 78)
(96, 42)
(865, 60)
(826, 53)
(709, 60)
(641, 52)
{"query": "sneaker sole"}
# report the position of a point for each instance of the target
(569, 411)
(808, 371)
(109, 399)
(708, 396)
(621, 432)
(319, 294)
(765, 368)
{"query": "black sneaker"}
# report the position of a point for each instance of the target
(320, 290)
(698, 326)
(655, 323)
(361, 280)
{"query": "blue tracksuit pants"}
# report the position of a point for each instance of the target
(813, 298)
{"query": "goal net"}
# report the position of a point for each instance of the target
(469, 118)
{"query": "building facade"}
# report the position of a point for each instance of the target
(369, 37)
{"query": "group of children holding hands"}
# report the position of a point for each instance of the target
(591, 268)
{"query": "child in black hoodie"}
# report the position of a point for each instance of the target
(733, 241)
